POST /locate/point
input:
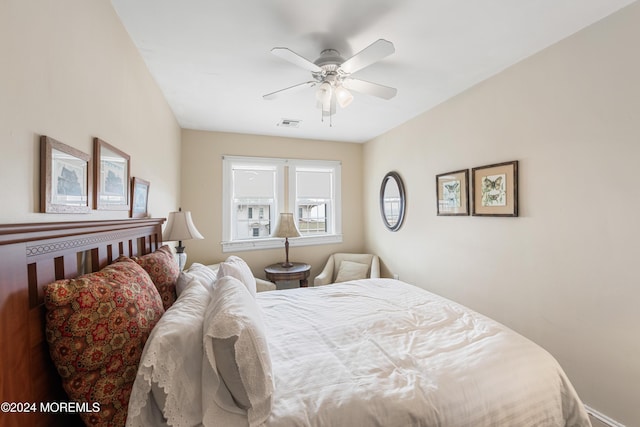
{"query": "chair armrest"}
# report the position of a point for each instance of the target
(326, 275)
(375, 267)
(264, 285)
(322, 279)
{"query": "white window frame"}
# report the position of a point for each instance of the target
(285, 199)
(334, 216)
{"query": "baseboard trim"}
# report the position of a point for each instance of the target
(602, 417)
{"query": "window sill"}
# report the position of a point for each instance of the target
(272, 243)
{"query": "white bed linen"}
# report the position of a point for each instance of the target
(383, 352)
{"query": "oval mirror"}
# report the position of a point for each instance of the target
(392, 202)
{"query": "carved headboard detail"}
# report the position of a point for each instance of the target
(31, 256)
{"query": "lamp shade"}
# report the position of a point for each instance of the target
(180, 227)
(286, 226)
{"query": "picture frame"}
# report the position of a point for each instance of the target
(495, 189)
(139, 198)
(65, 178)
(111, 177)
(452, 193)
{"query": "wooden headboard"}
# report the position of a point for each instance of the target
(31, 256)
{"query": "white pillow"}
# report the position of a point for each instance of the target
(236, 371)
(168, 383)
(183, 281)
(204, 274)
(350, 270)
(236, 267)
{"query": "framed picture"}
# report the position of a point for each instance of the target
(139, 198)
(452, 192)
(111, 177)
(65, 178)
(495, 189)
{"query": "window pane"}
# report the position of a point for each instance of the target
(314, 192)
(254, 196)
(312, 218)
(249, 226)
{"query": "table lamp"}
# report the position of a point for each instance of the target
(180, 227)
(286, 228)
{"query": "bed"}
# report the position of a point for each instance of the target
(361, 353)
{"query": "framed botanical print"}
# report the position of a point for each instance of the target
(65, 178)
(495, 189)
(452, 192)
(111, 177)
(139, 198)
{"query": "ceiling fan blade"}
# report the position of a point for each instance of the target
(367, 56)
(274, 95)
(294, 58)
(362, 86)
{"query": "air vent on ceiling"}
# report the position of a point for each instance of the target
(288, 123)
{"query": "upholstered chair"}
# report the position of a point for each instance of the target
(341, 267)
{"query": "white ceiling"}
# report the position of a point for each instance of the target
(212, 60)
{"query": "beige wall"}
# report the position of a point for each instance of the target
(202, 193)
(69, 70)
(565, 272)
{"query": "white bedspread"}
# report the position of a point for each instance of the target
(380, 352)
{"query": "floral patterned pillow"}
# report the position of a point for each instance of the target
(164, 271)
(97, 326)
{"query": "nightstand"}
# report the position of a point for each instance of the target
(299, 271)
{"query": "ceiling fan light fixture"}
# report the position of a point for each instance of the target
(344, 96)
(323, 94)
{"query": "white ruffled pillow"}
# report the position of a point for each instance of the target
(169, 379)
(236, 267)
(237, 374)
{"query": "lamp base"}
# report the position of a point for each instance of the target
(182, 260)
(286, 263)
(181, 256)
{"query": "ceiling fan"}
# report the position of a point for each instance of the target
(332, 74)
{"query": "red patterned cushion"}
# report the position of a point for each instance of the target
(97, 326)
(164, 271)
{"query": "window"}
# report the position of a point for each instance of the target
(313, 199)
(256, 190)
